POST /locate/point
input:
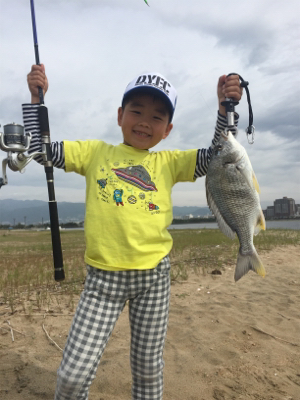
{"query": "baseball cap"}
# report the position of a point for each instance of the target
(155, 84)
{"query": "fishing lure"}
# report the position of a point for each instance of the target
(146, 3)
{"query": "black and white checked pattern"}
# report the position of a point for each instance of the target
(31, 124)
(100, 305)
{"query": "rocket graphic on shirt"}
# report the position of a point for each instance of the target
(137, 176)
(137, 189)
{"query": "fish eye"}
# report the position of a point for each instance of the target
(218, 149)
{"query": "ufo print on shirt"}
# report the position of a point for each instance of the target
(137, 176)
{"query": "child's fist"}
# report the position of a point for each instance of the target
(35, 79)
(228, 86)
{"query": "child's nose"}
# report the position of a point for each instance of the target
(145, 122)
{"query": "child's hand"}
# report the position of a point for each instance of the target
(228, 86)
(35, 79)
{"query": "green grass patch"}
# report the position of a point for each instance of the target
(207, 249)
(26, 263)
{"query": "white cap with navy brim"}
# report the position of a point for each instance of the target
(156, 84)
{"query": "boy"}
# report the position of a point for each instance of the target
(128, 210)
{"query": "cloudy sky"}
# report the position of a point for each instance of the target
(93, 48)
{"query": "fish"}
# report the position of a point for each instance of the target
(232, 193)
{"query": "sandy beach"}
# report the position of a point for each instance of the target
(225, 340)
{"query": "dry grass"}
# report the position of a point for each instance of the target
(26, 280)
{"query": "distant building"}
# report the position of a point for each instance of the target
(188, 216)
(270, 212)
(177, 217)
(284, 208)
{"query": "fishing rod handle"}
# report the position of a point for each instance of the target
(59, 274)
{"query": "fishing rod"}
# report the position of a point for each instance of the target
(59, 274)
(230, 104)
(16, 144)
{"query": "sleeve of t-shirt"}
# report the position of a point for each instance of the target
(182, 165)
(32, 126)
(78, 155)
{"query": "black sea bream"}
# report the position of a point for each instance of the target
(232, 195)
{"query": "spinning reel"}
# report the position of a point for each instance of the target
(15, 143)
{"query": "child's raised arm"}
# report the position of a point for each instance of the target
(35, 79)
(228, 86)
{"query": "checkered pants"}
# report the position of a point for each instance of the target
(99, 307)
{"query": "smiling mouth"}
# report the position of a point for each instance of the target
(142, 134)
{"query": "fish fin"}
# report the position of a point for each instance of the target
(247, 262)
(255, 182)
(245, 168)
(224, 227)
(261, 223)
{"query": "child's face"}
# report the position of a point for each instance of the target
(144, 121)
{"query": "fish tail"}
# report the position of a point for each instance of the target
(260, 224)
(247, 262)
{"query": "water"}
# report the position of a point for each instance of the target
(276, 224)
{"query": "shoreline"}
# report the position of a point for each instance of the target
(211, 220)
(288, 224)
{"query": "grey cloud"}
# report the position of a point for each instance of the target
(259, 53)
(96, 46)
(10, 107)
(252, 38)
(282, 119)
(290, 66)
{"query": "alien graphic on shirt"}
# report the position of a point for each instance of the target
(118, 197)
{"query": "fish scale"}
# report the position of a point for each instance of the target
(240, 204)
(232, 195)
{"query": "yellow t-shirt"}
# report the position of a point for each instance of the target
(128, 201)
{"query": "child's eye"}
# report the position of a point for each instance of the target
(135, 111)
(158, 118)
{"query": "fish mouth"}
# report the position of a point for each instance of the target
(233, 162)
(225, 133)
